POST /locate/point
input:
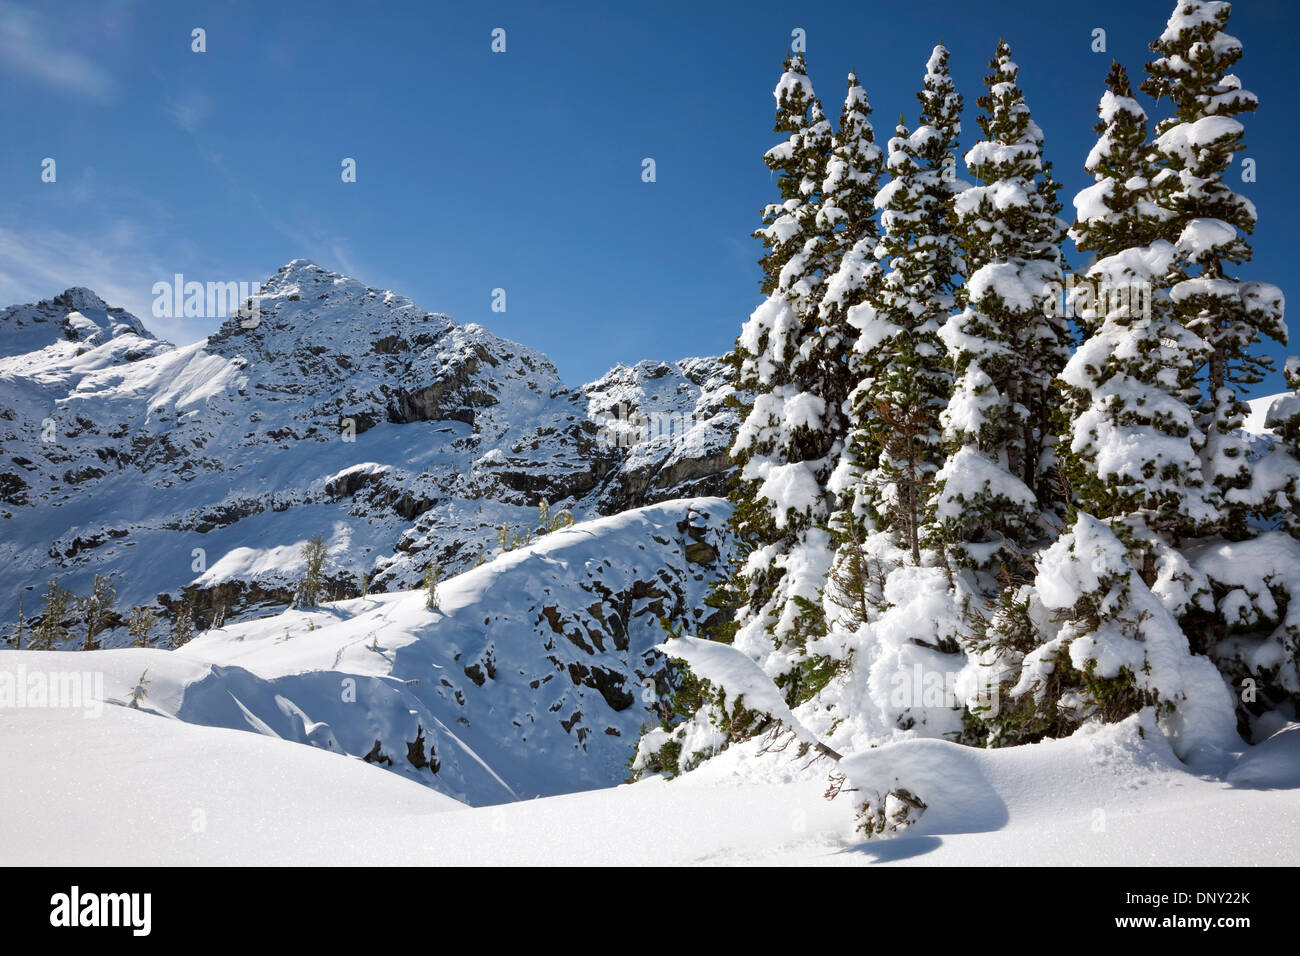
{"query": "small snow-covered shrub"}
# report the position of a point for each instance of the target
(890, 814)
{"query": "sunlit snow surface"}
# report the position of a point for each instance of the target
(135, 789)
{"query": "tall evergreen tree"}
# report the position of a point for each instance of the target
(897, 365)
(883, 594)
(1132, 444)
(852, 181)
(1008, 343)
(904, 382)
(789, 364)
(1130, 455)
(1208, 225)
(847, 212)
(849, 191)
(935, 142)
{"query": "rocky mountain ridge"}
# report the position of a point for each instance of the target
(401, 437)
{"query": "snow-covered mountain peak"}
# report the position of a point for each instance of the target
(320, 327)
(75, 315)
(301, 302)
(79, 297)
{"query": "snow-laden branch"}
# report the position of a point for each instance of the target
(724, 666)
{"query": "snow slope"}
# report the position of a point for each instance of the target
(141, 788)
(530, 679)
(134, 788)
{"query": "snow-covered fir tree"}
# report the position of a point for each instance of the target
(1207, 225)
(1131, 455)
(1006, 345)
(1234, 612)
(1131, 448)
(140, 622)
(856, 279)
(183, 625)
(1149, 462)
(1111, 649)
(896, 613)
(936, 141)
(314, 554)
(849, 192)
(1118, 211)
(899, 358)
(790, 359)
(852, 175)
(790, 363)
(925, 267)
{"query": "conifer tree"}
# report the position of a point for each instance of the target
(790, 435)
(1007, 344)
(1111, 649)
(20, 628)
(57, 605)
(898, 365)
(852, 181)
(935, 142)
(1143, 454)
(848, 229)
(1208, 224)
(1132, 443)
(139, 624)
(97, 609)
(901, 360)
(847, 213)
(1120, 210)
(881, 576)
(314, 554)
(432, 575)
(183, 626)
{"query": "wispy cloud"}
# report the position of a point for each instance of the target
(187, 108)
(29, 47)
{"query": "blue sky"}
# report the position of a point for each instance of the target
(518, 170)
